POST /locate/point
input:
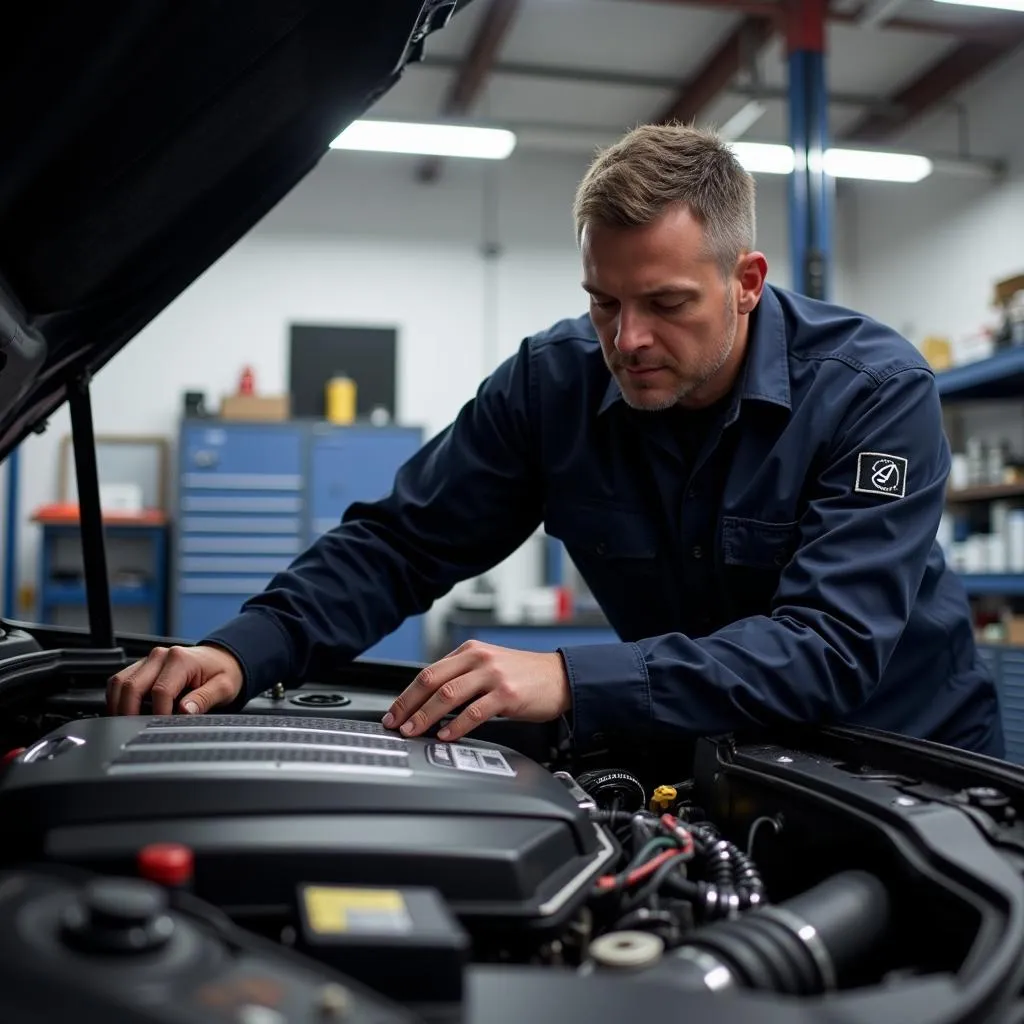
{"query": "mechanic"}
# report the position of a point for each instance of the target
(749, 481)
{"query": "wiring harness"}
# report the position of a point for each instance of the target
(682, 874)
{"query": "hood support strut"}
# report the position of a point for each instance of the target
(94, 555)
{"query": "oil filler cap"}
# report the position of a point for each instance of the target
(613, 790)
(115, 915)
(321, 700)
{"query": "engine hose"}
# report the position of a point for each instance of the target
(734, 884)
(808, 945)
(612, 818)
(745, 876)
(719, 863)
(716, 902)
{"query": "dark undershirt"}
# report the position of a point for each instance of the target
(688, 503)
(691, 427)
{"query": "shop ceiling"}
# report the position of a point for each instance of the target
(563, 70)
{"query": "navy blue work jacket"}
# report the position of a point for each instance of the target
(783, 570)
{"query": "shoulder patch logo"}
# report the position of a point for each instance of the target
(878, 473)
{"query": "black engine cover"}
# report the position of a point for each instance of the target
(267, 804)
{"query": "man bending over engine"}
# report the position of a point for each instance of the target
(749, 481)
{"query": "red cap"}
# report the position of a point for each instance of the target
(11, 755)
(166, 863)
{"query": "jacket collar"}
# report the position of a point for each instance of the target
(765, 373)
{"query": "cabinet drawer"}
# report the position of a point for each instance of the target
(226, 565)
(256, 503)
(354, 465)
(241, 449)
(191, 544)
(216, 525)
(242, 481)
(247, 585)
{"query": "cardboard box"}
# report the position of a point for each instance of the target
(1005, 290)
(938, 351)
(255, 408)
(1014, 625)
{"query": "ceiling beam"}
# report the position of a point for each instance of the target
(483, 52)
(633, 80)
(472, 76)
(757, 8)
(776, 11)
(743, 44)
(991, 31)
(934, 85)
(875, 13)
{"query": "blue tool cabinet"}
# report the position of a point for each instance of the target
(252, 496)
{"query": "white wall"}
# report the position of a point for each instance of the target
(927, 255)
(360, 241)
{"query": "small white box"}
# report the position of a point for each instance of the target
(123, 498)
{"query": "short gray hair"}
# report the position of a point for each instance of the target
(657, 166)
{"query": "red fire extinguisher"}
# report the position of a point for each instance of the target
(247, 382)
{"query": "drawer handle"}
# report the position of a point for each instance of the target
(204, 458)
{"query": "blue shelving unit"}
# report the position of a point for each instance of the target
(1007, 666)
(999, 376)
(58, 594)
(252, 496)
(995, 584)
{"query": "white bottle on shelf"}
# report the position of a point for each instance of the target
(1015, 540)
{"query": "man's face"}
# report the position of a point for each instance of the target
(668, 319)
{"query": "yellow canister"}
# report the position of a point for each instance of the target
(341, 400)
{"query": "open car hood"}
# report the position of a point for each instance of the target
(142, 140)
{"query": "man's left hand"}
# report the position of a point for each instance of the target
(522, 685)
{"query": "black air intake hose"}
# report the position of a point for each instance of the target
(804, 946)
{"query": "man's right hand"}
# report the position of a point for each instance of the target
(203, 677)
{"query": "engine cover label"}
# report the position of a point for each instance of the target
(337, 910)
(469, 759)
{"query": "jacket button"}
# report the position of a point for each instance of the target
(698, 552)
(780, 559)
(601, 548)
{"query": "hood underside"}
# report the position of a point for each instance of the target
(142, 140)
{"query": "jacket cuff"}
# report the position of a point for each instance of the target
(610, 691)
(260, 646)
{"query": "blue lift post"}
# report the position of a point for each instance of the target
(810, 189)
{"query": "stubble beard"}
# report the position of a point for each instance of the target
(653, 399)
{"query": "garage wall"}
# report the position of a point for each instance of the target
(928, 254)
(361, 242)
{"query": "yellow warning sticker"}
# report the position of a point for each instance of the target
(339, 910)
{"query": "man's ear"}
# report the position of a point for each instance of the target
(751, 272)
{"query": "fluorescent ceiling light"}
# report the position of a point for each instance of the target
(743, 120)
(426, 139)
(764, 157)
(996, 5)
(872, 166)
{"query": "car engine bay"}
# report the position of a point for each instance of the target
(299, 859)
